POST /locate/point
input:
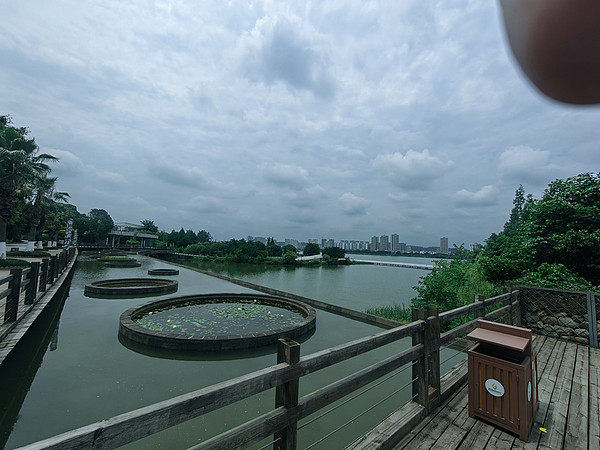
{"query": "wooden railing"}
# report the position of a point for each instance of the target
(23, 287)
(281, 423)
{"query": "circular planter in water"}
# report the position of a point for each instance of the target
(130, 287)
(163, 272)
(215, 322)
(121, 262)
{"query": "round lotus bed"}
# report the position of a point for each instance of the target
(216, 322)
(130, 287)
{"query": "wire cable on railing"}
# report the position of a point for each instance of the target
(354, 396)
(362, 413)
(269, 444)
(458, 352)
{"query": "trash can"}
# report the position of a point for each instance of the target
(503, 377)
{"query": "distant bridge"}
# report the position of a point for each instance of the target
(396, 264)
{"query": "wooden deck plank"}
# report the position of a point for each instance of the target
(569, 408)
(478, 437)
(549, 360)
(577, 427)
(443, 416)
(500, 440)
(456, 431)
(556, 420)
(594, 399)
(407, 416)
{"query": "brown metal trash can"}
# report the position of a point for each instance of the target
(503, 377)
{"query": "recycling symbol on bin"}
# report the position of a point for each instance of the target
(494, 387)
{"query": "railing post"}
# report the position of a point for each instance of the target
(61, 261)
(12, 300)
(479, 311)
(515, 296)
(420, 368)
(44, 274)
(592, 319)
(432, 348)
(53, 269)
(286, 395)
(507, 317)
(31, 293)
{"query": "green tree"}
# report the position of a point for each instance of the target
(133, 241)
(148, 226)
(20, 163)
(57, 217)
(204, 236)
(44, 196)
(452, 284)
(273, 249)
(289, 248)
(289, 258)
(567, 226)
(99, 224)
(334, 252)
(311, 249)
(562, 228)
(555, 276)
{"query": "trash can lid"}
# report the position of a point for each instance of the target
(507, 336)
(501, 339)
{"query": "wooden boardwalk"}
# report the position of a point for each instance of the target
(569, 393)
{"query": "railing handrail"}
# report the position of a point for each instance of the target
(218, 395)
(32, 280)
(151, 419)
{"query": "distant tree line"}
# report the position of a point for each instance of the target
(240, 250)
(181, 238)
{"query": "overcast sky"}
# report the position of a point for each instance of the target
(333, 119)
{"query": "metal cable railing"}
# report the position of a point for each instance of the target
(348, 400)
(341, 427)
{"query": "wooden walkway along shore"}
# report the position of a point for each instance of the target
(569, 393)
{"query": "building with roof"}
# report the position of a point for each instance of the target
(125, 231)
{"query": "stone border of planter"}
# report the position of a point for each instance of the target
(163, 272)
(129, 287)
(130, 330)
(122, 263)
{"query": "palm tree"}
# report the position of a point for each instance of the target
(20, 163)
(43, 197)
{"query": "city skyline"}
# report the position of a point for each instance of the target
(357, 244)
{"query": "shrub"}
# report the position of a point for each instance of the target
(9, 262)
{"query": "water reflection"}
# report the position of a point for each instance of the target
(181, 355)
(19, 369)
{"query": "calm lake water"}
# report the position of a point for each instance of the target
(356, 287)
(83, 374)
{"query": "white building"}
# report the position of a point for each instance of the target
(124, 231)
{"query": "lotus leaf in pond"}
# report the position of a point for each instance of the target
(218, 319)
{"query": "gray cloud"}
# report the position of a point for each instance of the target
(288, 119)
(486, 196)
(284, 49)
(523, 164)
(179, 175)
(285, 175)
(352, 205)
(412, 170)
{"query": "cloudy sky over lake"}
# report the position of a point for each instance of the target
(332, 119)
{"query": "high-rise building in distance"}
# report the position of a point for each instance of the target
(444, 245)
(395, 243)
